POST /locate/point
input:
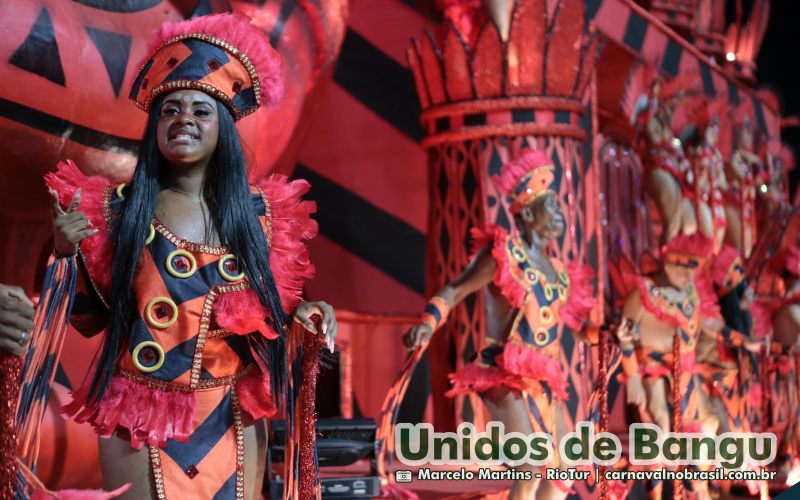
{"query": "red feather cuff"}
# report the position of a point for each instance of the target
(96, 249)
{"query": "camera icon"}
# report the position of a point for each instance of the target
(402, 476)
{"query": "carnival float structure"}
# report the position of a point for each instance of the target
(399, 113)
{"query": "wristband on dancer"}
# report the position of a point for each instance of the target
(436, 312)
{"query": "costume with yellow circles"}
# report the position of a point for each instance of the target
(187, 381)
(528, 360)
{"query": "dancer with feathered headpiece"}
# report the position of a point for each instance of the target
(195, 276)
(662, 321)
(650, 101)
(534, 300)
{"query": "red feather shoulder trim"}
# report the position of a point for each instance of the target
(497, 237)
(291, 226)
(581, 299)
(96, 250)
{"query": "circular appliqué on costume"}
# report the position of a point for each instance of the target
(548, 292)
(228, 266)
(181, 264)
(161, 312)
(564, 277)
(563, 294)
(546, 315)
(148, 356)
(119, 189)
(531, 276)
(541, 337)
(518, 254)
(150, 235)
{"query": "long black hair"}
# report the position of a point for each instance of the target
(227, 194)
(735, 317)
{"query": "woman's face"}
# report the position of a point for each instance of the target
(188, 128)
(544, 216)
(679, 276)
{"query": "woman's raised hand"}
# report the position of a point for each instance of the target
(70, 226)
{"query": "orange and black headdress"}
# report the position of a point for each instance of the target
(222, 55)
(527, 178)
(687, 251)
(727, 270)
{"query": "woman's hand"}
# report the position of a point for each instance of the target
(418, 335)
(625, 332)
(70, 226)
(16, 320)
(330, 327)
(634, 390)
(755, 346)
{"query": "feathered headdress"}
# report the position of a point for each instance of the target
(527, 178)
(701, 111)
(222, 55)
(641, 83)
(727, 270)
(688, 251)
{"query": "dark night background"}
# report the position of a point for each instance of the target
(776, 64)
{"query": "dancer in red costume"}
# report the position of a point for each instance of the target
(740, 195)
(651, 102)
(727, 360)
(662, 319)
(530, 299)
(709, 171)
(191, 272)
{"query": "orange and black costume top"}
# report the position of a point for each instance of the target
(528, 360)
(187, 382)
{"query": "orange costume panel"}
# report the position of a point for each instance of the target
(684, 315)
(187, 380)
(528, 360)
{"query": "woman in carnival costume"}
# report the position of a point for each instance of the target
(192, 272)
(729, 361)
(709, 171)
(661, 323)
(530, 299)
(651, 102)
(740, 196)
